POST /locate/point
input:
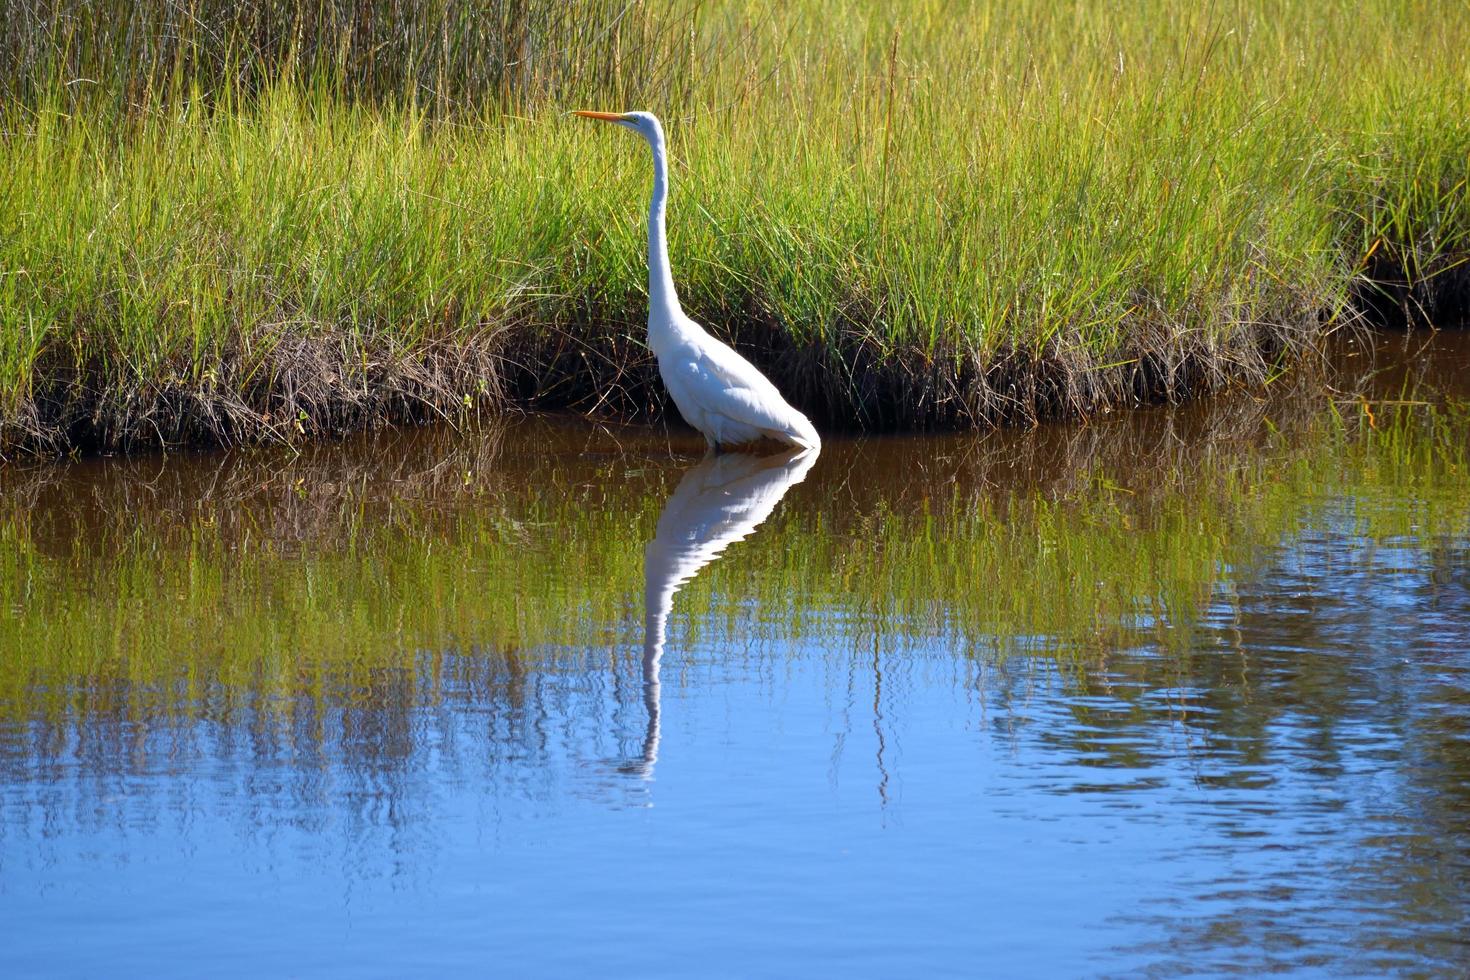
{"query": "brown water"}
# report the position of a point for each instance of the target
(1177, 690)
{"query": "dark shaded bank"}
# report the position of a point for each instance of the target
(332, 384)
(849, 383)
(1391, 294)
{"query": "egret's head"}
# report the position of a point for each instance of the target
(644, 124)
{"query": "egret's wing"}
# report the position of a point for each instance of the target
(735, 388)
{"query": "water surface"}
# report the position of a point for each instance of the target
(1175, 690)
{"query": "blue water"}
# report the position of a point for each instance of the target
(1289, 793)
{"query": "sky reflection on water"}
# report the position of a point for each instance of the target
(564, 703)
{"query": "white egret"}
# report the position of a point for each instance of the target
(717, 391)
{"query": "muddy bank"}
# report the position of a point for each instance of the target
(335, 383)
(1400, 293)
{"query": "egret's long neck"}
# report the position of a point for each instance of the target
(663, 301)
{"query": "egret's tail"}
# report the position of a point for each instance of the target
(802, 433)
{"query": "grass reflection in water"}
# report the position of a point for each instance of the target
(356, 573)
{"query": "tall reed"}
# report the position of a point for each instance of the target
(234, 222)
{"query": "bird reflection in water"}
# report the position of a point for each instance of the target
(720, 500)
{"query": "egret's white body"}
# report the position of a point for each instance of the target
(717, 391)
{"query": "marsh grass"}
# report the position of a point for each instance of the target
(270, 223)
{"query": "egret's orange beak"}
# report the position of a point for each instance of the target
(604, 116)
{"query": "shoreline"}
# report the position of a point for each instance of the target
(329, 387)
(407, 399)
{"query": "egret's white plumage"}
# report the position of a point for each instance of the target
(717, 391)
